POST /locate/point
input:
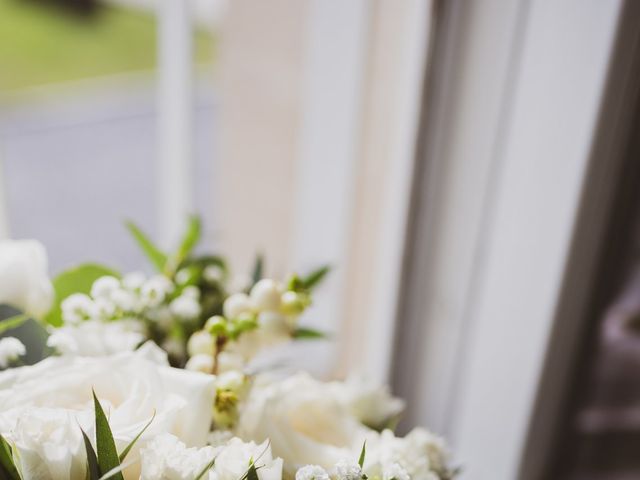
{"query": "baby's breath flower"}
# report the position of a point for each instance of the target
(192, 292)
(10, 349)
(103, 287)
(133, 281)
(77, 308)
(312, 472)
(346, 470)
(155, 290)
(185, 307)
(124, 300)
(394, 471)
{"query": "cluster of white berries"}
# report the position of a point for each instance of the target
(130, 297)
(269, 311)
(10, 350)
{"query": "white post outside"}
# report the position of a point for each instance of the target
(175, 103)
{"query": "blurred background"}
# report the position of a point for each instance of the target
(469, 168)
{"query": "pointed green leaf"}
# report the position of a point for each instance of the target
(107, 454)
(126, 451)
(157, 257)
(7, 466)
(302, 333)
(315, 277)
(75, 280)
(12, 322)
(191, 237)
(362, 454)
(93, 470)
(258, 269)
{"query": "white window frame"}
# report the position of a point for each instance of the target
(510, 143)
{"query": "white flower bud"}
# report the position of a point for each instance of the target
(185, 307)
(155, 290)
(237, 304)
(292, 303)
(200, 363)
(312, 472)
(103, 287)
(77, 308)
(265, 295)
(10, 349)
(201, 343)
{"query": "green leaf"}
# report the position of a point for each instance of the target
(12, 322)
(258, 269)
(206, 469)
(315, 277)
(93, 470)
(126, 451)
(75, 280)
(191, 237)
(107, 454)
(7, 466)
(157, 257)
(252, 473)
(302, 333)
(362, 454)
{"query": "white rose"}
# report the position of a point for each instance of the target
(41, 406)
(372, 404)
(94, 338)
(306, 424)
(24, 282)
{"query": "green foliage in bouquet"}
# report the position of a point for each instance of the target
(184, 300)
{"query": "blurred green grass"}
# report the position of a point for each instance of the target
(40, 44)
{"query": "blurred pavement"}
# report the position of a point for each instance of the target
(79, 159)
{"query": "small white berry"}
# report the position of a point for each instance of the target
(265, 295)
(200, 363)
(185, 307)
(201, 343)
(237, 304)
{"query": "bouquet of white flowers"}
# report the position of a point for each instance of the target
(151, 378)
